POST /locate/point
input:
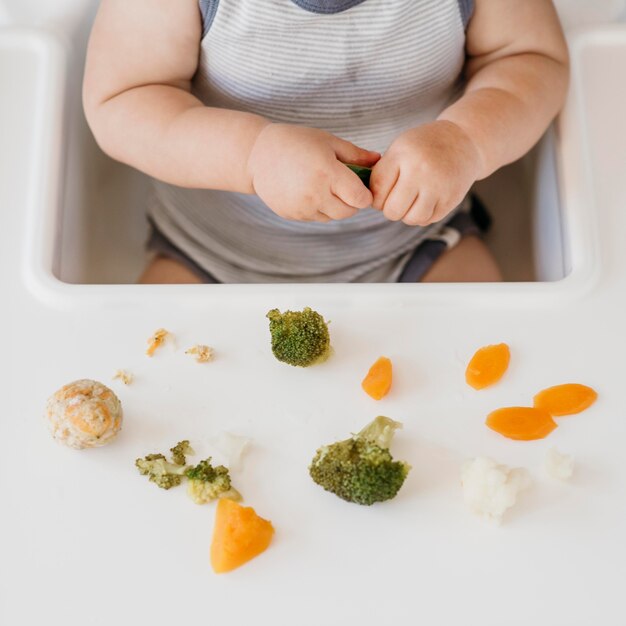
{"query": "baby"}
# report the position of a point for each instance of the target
(246, 112)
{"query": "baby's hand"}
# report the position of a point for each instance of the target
(300, 173)
(425, 174)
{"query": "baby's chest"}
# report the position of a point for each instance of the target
(276, 51)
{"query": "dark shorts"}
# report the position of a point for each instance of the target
(472, 220)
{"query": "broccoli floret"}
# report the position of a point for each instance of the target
(207, 483)
(179, 451)
(361, 469)
(165, 474)
(160, 471)
(299, 338)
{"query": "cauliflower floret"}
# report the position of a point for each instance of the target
(559, 466)
(232, 448)
(490, 489)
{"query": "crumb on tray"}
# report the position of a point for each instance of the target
(203, 354)
(157, 340)
(125, 376)
(559, 465)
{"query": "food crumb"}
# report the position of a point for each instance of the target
(126, 377)
(157, 340)
(559, 465)
(203, 354)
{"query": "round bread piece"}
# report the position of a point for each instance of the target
(84, 414)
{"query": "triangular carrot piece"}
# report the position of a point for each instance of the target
(238, 536)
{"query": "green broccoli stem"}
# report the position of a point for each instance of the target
(380, 431)
(364, 173)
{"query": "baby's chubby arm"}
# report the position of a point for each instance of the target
(517, 72)
(137, 97)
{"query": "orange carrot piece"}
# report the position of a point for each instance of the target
(565, 399)
(377, 383)
(521, 422)
(488, 366)
(239, 535)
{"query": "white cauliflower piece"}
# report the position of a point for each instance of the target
(490, 489)
(558, 465)
(231, 448)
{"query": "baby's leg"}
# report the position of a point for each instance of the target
(470, 261)
(165, 271)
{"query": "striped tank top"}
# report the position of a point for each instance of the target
(364, 70)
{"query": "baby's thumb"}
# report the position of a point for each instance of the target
(349, 188)
(349, 153)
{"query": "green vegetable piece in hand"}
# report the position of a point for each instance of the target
(361, 469)
(208, 483)
(299, 338)
(364, 173)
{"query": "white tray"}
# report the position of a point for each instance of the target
(85, 540)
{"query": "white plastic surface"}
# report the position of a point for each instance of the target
(577, 13)
(550, 236)
(85, 540)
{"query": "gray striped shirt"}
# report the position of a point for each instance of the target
(365, 70)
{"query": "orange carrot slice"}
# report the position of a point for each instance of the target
(377, 383)
(565, 399)
(488, 366)
(239, 535)
(521, 422)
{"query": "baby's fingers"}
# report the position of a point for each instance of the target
(384, 176)
(321, 217)
(400, 199)
(318, 216)
(347, 152)
(349, 188)
(337, 209)
(422, 210)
